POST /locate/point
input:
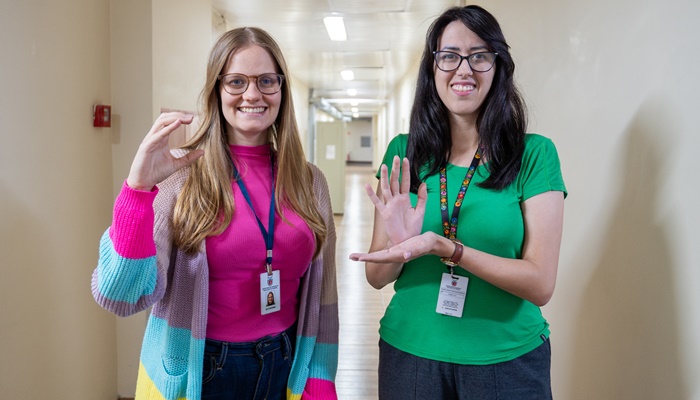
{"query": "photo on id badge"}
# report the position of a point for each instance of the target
(269, 292)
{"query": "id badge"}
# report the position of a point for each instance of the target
(270, 293)
(453, 292)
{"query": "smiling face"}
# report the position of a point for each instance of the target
(462, 91)
(249, 115)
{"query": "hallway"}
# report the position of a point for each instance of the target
(360, 305)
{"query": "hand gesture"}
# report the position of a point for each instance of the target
(401, 220)
(403, 252)
(153, 161)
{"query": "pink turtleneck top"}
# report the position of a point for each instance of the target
(237, 257)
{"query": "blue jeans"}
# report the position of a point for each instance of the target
(403, 376)
(248, 371)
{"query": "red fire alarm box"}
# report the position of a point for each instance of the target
(102, 116)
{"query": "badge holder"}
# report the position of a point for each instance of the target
(270, 300)
(453, 288)
(453, 292)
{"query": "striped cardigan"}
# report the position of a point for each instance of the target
(139, 267)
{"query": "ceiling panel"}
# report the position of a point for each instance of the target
(367, 6)
(384, 38)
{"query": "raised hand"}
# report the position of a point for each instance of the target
(153, 161)
(402, 221)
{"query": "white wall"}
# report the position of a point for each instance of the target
(381, 136)
(395, 118)
(356, 129)
(300, 97)
(55, 200)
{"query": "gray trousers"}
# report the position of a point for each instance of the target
(403, 376)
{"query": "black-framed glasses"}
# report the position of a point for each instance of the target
(479, 62)
(238, 83)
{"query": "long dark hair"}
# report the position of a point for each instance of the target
(502, 120)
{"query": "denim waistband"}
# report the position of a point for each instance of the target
(289, 333)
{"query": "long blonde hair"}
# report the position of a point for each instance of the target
(205, 205)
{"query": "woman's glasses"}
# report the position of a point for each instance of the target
(450, 61)
(238, 83)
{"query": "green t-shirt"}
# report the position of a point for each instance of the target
(495, 325)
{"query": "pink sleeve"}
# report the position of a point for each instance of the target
(132, 225)
(319, 389)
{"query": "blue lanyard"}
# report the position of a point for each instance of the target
(268, 234)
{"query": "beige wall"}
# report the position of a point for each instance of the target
(55, 200)
(159, 55)
(59, 176)
(132, 100)
(614, 84)
(182, 38)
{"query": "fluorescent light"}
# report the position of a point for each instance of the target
(335, 28)
(354, 103)
(347, 75)
(354, 109)
(356, 115)
(352, 92)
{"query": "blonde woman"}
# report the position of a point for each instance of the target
(205, 233)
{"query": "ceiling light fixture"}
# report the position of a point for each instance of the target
(347, 75)
(356, 115)
(336, 28)
(354, 109)
(352, 92)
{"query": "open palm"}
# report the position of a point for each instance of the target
(402, 221)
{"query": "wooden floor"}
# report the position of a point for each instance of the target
(360, 305)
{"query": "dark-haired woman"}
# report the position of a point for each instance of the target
(468, 225)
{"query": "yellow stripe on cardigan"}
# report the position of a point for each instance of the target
(147, 390)
(292, 396)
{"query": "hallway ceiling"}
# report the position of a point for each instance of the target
(384, 38)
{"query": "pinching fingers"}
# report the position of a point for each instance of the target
(166, 123)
